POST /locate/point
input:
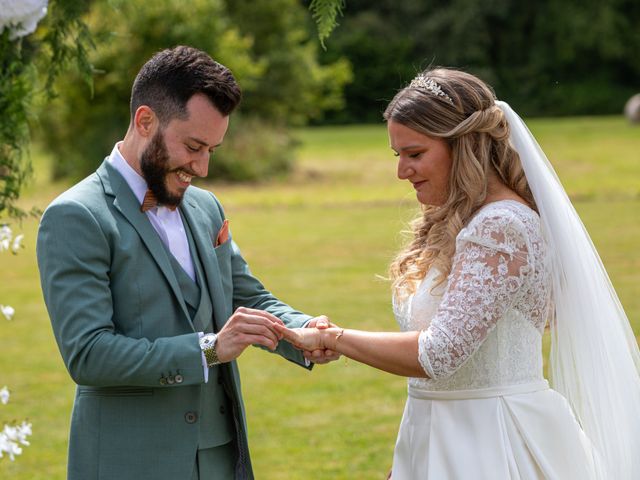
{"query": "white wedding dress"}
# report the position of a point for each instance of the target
(486, 411)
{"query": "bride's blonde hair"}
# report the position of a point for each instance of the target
(460, 109)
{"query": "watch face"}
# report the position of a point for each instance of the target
(209, 340)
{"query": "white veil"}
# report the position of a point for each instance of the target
(595, 362)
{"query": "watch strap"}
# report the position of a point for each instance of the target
(208, 345)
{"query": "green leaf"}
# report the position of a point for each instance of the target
(325, 13)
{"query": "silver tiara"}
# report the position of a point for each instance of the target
(423, 82)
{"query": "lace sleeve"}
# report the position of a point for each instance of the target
(489, 268)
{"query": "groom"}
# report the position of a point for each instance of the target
(149, 297)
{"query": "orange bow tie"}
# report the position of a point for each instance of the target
(150, 201)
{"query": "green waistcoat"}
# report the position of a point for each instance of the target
(215, 422)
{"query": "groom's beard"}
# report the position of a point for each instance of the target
(154, 163)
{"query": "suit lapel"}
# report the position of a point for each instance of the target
(202, 233)
(127, 204)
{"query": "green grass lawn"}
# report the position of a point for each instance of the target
(320, 240)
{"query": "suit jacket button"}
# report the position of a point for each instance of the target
(191, 417)
(222, 409)
(171, 380)
(163, 381)
(178, 378)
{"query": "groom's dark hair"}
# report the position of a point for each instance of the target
(171, 77)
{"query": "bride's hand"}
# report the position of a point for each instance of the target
(320, 356)
(308, 339)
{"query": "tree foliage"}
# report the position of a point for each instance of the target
(264, 42)
(16, 78)
(28, 68)
(294, 87)
(548, 57)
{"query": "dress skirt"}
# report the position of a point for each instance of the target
(516, 432)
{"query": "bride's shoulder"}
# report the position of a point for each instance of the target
(496, 218)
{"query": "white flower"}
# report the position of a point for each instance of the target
(22, 16)
(5, 235)
(17, 243)
(12, 437)
(7, 311)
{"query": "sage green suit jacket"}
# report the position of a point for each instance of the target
(122, 325)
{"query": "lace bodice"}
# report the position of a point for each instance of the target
(483, 327)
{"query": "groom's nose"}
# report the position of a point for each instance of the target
(201, 166)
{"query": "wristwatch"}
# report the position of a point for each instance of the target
(208, 346)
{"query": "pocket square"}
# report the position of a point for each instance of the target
(223, 234)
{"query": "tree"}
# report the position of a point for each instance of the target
(28, 68)
(546, 57)
(265, 43)
(293, 87)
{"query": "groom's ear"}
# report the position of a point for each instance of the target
(145, 121)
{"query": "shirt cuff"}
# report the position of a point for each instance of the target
(307, 363)
(204, 361)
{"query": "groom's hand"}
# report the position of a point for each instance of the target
(320, 356)
(247, 326)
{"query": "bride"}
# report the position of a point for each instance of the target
(498, 253)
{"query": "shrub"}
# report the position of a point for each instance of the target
(253, 151)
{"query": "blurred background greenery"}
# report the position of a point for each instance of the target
(545, 58)
(308, 180)
(270, 45)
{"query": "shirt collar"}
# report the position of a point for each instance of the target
(136, 183)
